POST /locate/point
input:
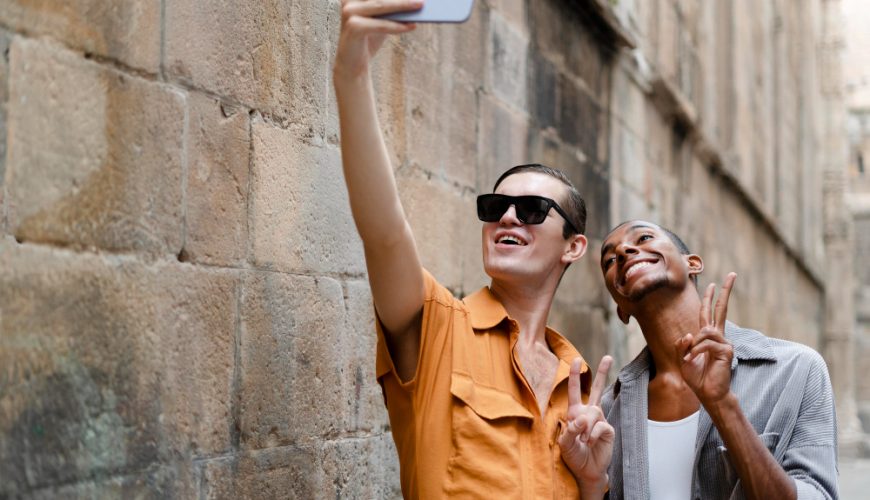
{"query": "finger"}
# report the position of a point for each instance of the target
(600, 380)
(682, 344)
(722, 302)
(574, 389)
(587, 420)
(602, 431)
(706, 304)
(361, 25)
(373, 8)
(710, 333)
(711, 347)
(575, 427)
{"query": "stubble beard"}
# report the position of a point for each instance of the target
(639, 295)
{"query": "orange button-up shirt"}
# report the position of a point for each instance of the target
(468, 425)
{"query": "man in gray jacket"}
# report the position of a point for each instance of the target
(708, 409)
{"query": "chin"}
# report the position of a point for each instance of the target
(640, 293)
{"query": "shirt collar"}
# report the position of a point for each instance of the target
(748, 345)
(486, 311)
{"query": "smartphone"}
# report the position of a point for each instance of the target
(436, 11)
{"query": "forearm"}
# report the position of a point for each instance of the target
(760, 474)
(392, 260)
(374, 198)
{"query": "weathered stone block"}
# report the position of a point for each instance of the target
(287, 472)
(155, 482)
(507, 62)
(441, 125)
(218, 154)
(292, 360)
(469, 43)
(364, 402)
(95, 156)
(585, 327)
(514, 13)
(272, 56)
(580, 120)
(443, 220)
(542, 86)
(108, 365)
(124, 30)
(503, 141)
(299, 212)
(360, 468)
(4, 97)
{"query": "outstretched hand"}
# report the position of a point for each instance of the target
(363, 33)
(705, 358)
(586, 441)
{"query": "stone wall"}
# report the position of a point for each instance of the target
(184, 309)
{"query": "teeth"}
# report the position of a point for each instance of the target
(510, 239)
(633, 269)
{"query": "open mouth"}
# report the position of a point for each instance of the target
(634, 269)
(510, 240)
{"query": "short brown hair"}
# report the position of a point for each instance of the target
(575, 207)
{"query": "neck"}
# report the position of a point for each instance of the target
(528, 305)
(665, 317)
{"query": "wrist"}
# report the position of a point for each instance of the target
(723, 407)
(593, 487)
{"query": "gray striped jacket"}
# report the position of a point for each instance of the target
(783, 389)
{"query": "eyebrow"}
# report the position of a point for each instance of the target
(609, 246)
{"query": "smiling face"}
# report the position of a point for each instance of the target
(512, 249)
(639, 258)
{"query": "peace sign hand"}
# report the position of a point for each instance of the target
(705, 357)
(586, 441)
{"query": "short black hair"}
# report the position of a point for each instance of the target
(681, 246)
(575, 207)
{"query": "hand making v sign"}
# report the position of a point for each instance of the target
(586, 440)
(705, 358)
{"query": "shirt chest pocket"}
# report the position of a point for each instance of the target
(488, 447)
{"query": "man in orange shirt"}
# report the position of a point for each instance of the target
(484, 400)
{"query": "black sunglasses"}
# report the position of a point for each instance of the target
(530, 209)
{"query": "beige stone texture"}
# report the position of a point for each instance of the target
(507, 60)
(286, 472)
(218, 151)
(364, 403)
(292, 360)
(444, 222)
(127, 31)
(501, 141)
(272, 55)
(4, 98)
(299, 212)
(109, 365)
(361, 468)
(94, 155)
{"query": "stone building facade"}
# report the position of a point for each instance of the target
(856, 74)
(184, 309)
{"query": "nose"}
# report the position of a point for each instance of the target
(510, 217)
(624, 250)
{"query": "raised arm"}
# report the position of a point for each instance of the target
(394, 269)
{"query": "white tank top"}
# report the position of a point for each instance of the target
(671, 449)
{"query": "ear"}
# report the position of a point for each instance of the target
(623, 316)
(576, 249)
(695, 264)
